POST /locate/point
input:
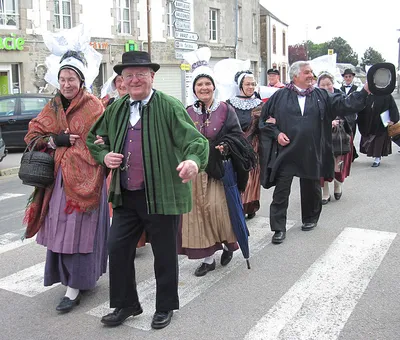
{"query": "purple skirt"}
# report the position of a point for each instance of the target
(76, 243)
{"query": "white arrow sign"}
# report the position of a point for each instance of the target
(186, 45)
(182, 5)
(182, 25)
(182, 15)
(186, 35)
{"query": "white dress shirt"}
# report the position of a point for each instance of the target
(302, 100)
(135, 109)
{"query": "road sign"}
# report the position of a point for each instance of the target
(185, 67)
(186, 45)
(182, 5)
(186, 35)
(330, 51)
(182, 25)
(179, 54)
(182, 15)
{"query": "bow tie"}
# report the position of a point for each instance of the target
(136, 102)
(348, 85)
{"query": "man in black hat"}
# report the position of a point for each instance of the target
(274, 78)
(348, 87)
(154, 150)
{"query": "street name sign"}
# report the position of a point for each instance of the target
(186, 45)
(182, 5)
(186, 35)
(182, 25)
(182, 15)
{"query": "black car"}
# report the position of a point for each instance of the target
(16, 111)
(3, 150)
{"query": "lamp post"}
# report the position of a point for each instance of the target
(398, 68)
(306, 44)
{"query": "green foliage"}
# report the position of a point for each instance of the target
(345, 53)
(371, 57)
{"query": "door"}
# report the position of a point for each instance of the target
(3, 83)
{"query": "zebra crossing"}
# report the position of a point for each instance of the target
(317, 306)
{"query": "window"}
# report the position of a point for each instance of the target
(7, 107)
(30, 106)
(284, 43)
(9, 14)
(124, 16)
(100, 80)
(62, 14)
(254, 26)
(283, 74)
(274, 39)
(213, 24)
(170, 19)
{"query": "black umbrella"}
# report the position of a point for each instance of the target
(235, 207)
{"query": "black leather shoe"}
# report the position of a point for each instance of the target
(337, 195)
(204, 268)
(250, 216)
(226, 257)
(375, 164)
(308, 226)
(161, 319)
(278, 237)
(119, 315)
(67, 304)
(325, 201)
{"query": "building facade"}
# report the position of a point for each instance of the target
(274, 50)
(230, 28)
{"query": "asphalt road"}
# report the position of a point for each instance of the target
(339, 281)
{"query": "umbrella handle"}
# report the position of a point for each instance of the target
(248, 264)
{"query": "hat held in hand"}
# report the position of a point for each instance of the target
(381, 79)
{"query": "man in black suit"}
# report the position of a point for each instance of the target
(348, 87)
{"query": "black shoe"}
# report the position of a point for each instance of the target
(325, 201)
(278, 237)
(337, 195)
(226, 257)
(204, 268)
(250, 216)
(67, 304)
(161, 319)
(375, 164)
(308, 226)
(119, 315)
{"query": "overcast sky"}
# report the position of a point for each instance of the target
(362, 26)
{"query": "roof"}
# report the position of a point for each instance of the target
(264, 11)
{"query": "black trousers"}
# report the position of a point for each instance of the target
(128, 224)
(311, 206)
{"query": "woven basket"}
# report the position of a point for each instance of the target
(394, 130)
(37, 168)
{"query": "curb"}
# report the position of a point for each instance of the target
(9, 171)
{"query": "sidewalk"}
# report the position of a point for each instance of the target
(10, 164)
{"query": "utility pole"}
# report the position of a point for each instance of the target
(398, 69)
(149, 27)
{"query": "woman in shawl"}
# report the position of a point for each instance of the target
(342, 163)
(248, 109)
(207, 228)
(71, 216)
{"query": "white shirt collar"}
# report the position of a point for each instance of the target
(145, 100)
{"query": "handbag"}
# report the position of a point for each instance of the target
(394, 130)
(340, 140)
(37, 167)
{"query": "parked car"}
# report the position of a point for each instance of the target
(16, 111)
(3, 150)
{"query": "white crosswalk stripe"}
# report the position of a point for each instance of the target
(10, 241)
(319, 304)
(7, 195)
(190, 286)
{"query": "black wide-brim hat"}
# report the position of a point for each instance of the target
(348, 71)
(381, 79)
(136, 59)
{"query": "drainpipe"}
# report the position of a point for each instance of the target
(149, 27)
(236, 28)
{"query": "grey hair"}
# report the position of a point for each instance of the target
(295, 68)
(325, 75)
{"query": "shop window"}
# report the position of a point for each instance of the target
(16, 86)
(62, 14)
(274, 40)
(124, 16)
(9, 16)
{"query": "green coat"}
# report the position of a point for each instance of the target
(168, 138)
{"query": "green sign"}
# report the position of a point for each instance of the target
(3, 85)
(12, 43)
(130, 45)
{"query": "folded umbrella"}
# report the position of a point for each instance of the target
(235, 207)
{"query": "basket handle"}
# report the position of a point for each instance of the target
(34, 142)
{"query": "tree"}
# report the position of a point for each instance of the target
(316, 50)
(297, 52)
(371, 57)
(345, 53)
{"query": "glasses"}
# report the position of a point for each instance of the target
(139, 76)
